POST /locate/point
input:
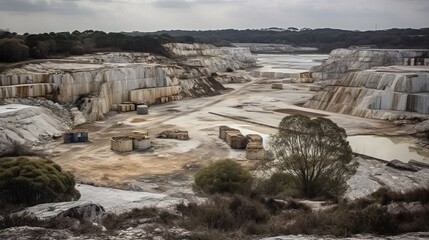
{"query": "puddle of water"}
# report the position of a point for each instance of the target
(387, 148)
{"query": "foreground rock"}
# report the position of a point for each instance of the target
(117, 201)
(78, 210)
(402, 166)
(371, 175)
(18, 233)
(414, 236)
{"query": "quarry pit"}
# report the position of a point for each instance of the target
(205, 97)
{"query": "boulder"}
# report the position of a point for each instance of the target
(418, 164)
(79, 210)
(402, 166)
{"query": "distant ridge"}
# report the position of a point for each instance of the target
(325, 39)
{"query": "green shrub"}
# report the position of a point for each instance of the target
(34, 181)
(224, 176)
(278, 184)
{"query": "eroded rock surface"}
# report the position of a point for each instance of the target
(342, 60)
(371, 175)
(78, 210)
(27, 125)
(387, 93)
(99, 82)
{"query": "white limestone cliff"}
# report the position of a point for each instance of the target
(343, 60)
(97, 83)
(384, 93)
(101, 81)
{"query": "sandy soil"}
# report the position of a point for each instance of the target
(251, 107)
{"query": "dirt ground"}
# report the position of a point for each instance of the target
(171, 163)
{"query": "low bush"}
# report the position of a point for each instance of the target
(129, 219)
(31, 181)
(225, 176)
(223, 213)
(279, 184)
(385, 196)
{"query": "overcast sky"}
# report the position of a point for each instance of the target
(150, 15)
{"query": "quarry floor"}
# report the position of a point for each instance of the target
(168, 166)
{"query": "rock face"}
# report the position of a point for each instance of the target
(27, 125)
(99, 82)
(384, 92)
(212, 58)
(343, 60)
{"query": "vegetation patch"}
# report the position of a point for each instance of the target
(225, 176)
(31, 181)
(314, 153)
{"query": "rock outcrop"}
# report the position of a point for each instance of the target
(86, 211)
(99, 82)
(28, 126)
(386, 93)
(343, 60)
(371, 175)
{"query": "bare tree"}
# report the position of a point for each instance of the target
(315, 152)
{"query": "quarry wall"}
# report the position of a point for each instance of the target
(375, 94)
(98, 83)
(342, 60)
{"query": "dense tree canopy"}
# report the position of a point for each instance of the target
(13, 50)
(61, 44)
(314, 151)
(325, 39)
(31, 181)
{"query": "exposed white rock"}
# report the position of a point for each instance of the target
(377, 92)
(78, 210)
(115, 200)
(343, 60)
(99, 82)
(214, 59)
(27, 125)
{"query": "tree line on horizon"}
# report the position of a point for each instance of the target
(324, 39)
(15, 47)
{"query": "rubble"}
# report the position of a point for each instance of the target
(174, 134)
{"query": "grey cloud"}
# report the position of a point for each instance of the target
(171, 4)
(188, 3)
(55, 6)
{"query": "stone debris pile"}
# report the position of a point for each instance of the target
(174, 134)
